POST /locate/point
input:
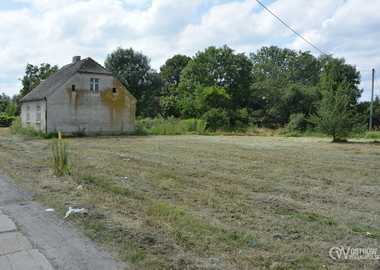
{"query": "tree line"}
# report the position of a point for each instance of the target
(272, 87)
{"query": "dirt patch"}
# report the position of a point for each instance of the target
(205, 202)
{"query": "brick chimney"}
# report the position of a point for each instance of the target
(76, 59)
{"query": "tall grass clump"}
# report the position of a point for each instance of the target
(372, 135)
(60, 156)
(169, 126)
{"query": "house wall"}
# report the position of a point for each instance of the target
(111, 109)
(36, 117)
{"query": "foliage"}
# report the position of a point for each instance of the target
(232, 90)
(4, 101)
(8, 107)
(296, 122)
(16, 128)
(60, 156)
(133, 70)
(170, 75)
(364, 109)
(217, 76)
(285, 66)
(216, 118)
(170, 126)
(171, 71)
(12, 109)
(335, 71)
(5, 120)
(335, 116)
(34, 75)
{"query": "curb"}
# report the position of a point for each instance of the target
(16, 252)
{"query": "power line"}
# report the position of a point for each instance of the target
(290, 27)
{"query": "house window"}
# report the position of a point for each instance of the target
(38, 116)
(94, 84)
(27, 114)
(114, 90)
(73, 87)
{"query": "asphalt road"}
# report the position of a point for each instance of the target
(64, 247)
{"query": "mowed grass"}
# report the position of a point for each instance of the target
(212, 202)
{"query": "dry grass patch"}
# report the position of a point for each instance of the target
(212, 202)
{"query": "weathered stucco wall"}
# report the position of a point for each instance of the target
(34, 113)
(111, 109)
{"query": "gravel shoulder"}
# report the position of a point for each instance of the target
(64, 246)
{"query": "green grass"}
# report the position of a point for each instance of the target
(170, 126)
(106, 184)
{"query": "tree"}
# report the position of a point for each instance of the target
(170, 74)
(171, 71)
(4, 102)
(218, 76)
(284, 84)
(133, 70)
(336, 71)
(285, 66)
(334, 115)
(34, 75)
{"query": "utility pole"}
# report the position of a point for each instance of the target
(371, 109)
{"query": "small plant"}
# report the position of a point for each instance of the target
(60, 157)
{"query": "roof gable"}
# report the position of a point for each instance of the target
(48, 86)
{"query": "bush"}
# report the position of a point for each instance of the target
(216, 118)
(5, 120)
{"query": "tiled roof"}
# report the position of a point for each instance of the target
(48, 86)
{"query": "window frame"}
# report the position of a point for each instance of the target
(27, 114)
(38, 114)
(94, 84)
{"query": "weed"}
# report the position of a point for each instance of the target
(60, 156)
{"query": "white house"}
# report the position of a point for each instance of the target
(81, 96)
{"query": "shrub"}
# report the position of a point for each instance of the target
(216, 118)
(5, 120)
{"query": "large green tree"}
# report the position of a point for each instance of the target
(216, 78)
(285, 66)
(133, 70)
(170, 74)
(284, 84)
(336, 71)
(34, 75)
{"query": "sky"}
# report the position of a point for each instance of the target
(53, 31)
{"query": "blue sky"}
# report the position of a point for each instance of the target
(48, 31)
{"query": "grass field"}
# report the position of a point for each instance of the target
(212, 202)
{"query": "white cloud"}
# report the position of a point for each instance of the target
(45, 31)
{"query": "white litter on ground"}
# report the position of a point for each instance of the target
(72, 210)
